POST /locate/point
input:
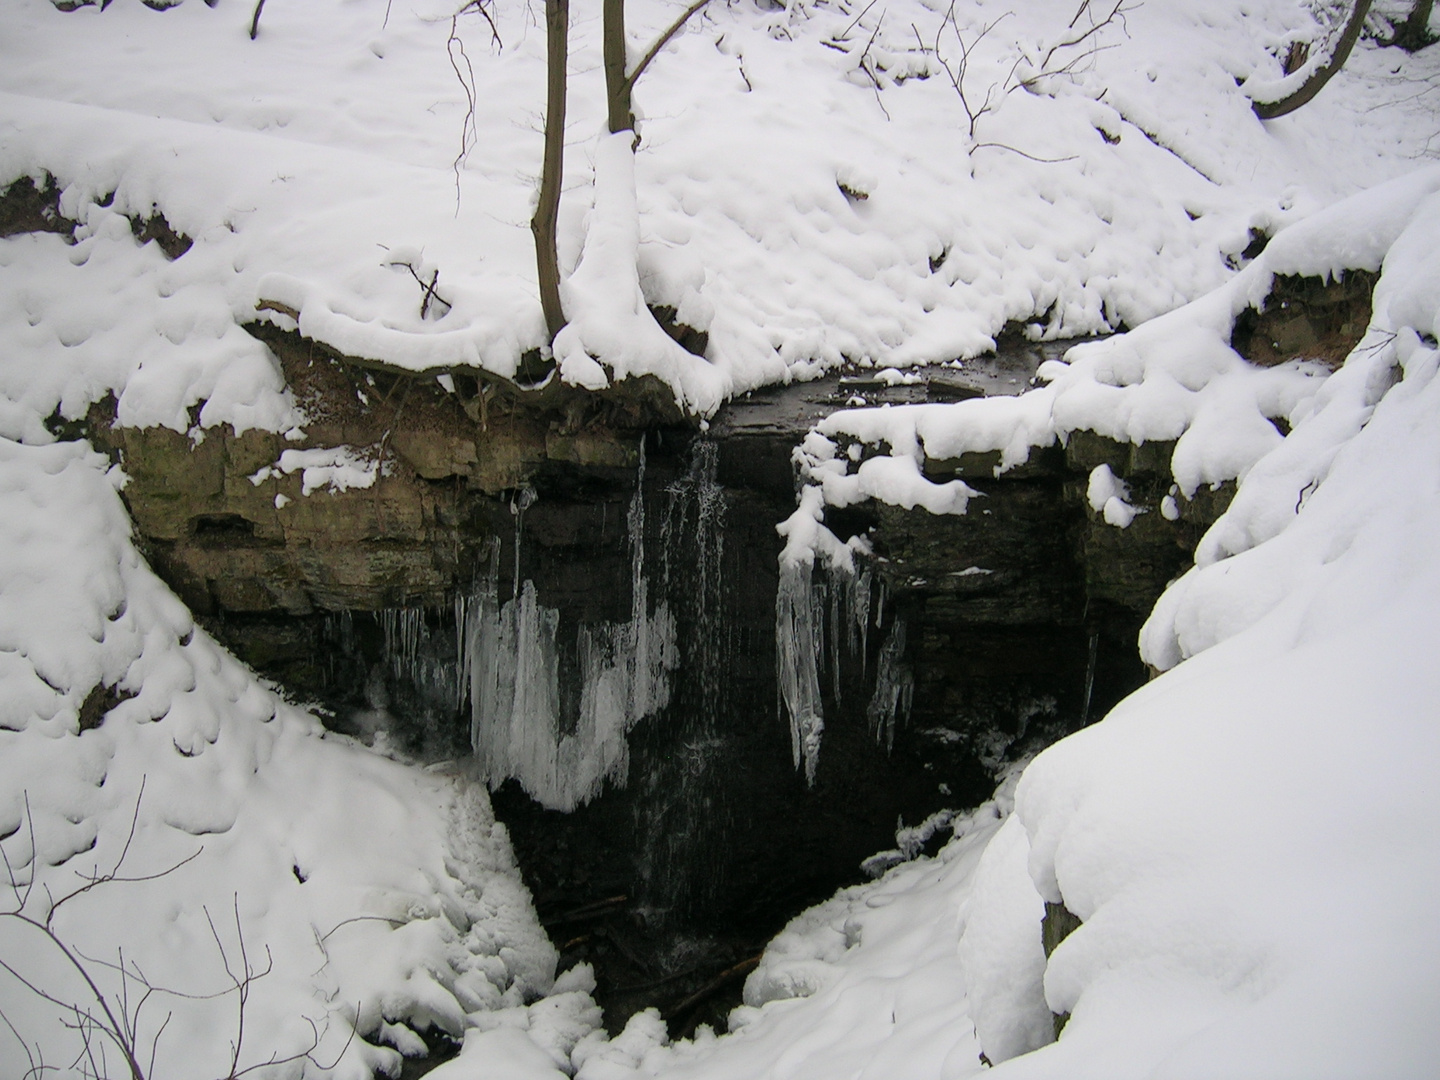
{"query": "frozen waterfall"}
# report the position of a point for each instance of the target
(512, 652)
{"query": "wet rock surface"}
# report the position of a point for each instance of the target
(980, 639)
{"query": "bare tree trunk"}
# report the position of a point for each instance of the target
(617, 83)
(1323, 72)
(1414, 33)
(547, 209)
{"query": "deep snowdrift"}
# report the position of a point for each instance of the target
(369, 891)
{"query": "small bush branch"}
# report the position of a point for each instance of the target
(428, 295)
(1075, 47)
(106, 1021)
(455, 52)
(1078, 34)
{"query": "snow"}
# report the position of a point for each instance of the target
(372, 892)
(1174, 378)
(336, 469)
(1106, 493)
(316, 170)
(1246, 839)
(867, 984)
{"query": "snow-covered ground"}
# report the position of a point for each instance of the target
(1248, 840)
(313, 169)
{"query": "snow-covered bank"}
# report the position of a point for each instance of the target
(1175, 379)
(372, 895)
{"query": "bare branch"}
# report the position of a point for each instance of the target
(361, 918)
(1022, 153)
(37, 1068)
(466, 78)
(1117, 13)
(662, 41)
(855, 21)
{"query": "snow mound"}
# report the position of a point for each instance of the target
(373, 896)
(1244, 838)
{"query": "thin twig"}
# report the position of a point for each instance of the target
(855, 21)
(361, 918)
(1022, 153)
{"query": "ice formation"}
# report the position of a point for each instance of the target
(823, 617)
(798, 628)
(512, 657)
(894, 688)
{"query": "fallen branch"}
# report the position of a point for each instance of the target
(710, 989)
(587, 911)
(279, 308)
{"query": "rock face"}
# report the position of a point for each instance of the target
(973, 640)
(1309, 318)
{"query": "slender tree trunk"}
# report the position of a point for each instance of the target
(1323, 73)
(547, 209)
(617, 83)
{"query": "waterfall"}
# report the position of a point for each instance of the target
(512, 653)
(684, 806)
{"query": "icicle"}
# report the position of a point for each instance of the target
(1090, 658)
(860, 585)
(797, 651)
(524, 499)
(462, 656)
(837, 593)
(894, 688)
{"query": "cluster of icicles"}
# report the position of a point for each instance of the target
(821, 616)
(509, 655)
(510, 666)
